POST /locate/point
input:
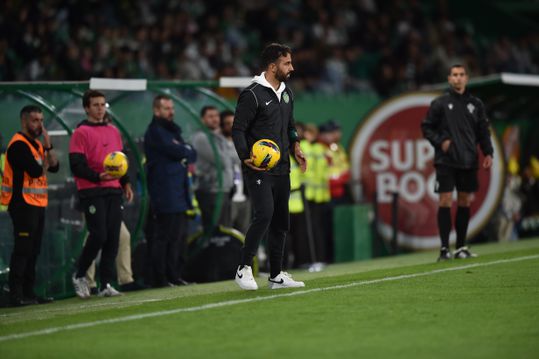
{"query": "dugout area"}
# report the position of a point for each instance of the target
(130, 109)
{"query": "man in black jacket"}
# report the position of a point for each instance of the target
(265, 111)
(455, 124)
(24, 191)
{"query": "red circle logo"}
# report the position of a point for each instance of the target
(389, 155)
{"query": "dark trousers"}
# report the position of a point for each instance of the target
(269, 199)
(299, 240)
(168, 247)
(206, 202)
(28, 223)
(318, 222)
(103, 216)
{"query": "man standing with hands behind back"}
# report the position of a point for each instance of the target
(455, 124)
(265, 111)
(24, 191)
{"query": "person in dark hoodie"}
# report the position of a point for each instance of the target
(167, 159)
(100, 193)
(455, 125)
(265, 111)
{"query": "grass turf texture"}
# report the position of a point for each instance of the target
(486, 311)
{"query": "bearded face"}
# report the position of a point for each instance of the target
(284, 68)
(33, 124)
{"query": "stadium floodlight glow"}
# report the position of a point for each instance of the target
(99, 83)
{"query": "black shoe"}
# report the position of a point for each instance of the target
(40, 300)
(463, 253)
(179, 282)
(445, 254)
(160, 284)
(130, 287)
(20, 301)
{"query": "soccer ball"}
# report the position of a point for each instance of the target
(265, 154)
(116, 164)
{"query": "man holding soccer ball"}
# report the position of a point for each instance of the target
(265, 111)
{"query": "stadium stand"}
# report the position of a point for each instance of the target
(340, 46)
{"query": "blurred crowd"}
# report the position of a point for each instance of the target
(339, 45)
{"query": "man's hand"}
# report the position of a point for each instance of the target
(487, 162)
(300, 157)
(128, 192)
(445, 145)
(46, 138)
(249, 163)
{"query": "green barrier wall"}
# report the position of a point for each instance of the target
(352, 234)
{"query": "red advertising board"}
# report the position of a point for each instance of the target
(389, 154)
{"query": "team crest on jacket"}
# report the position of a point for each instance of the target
(286, 99)
(471, 107)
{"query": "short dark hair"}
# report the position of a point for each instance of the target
(206, 109)
(90, 94)
(224, 114)
(157, 100)
(28, 109)
(454, 66)
(272, 52)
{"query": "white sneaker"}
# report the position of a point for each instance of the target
(109, 291)
(463, 253)
(245, 279)
(284, 280)
(81, 287)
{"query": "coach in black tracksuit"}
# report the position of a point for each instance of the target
(265, 111)
(455, 124)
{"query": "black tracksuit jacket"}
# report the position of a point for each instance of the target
(461, 119)
(260, 115)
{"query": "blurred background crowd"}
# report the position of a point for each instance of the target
(339, 45)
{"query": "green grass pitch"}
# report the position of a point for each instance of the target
(400, 307)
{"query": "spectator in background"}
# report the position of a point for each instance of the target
(24, 191)
(167, 159)
(315, 180)
(411, 42)
(240, 206)
(207, 184)
(339, 169)
(100, 193)
(322, 200)
(299, 240)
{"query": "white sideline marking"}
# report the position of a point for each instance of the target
(250, 300)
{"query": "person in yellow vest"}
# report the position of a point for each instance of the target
(298, 234)
(24, 191)
(316, 181)
(323, 194)
(339, 168)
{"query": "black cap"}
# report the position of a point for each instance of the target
(333, 125)
(324, 127)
